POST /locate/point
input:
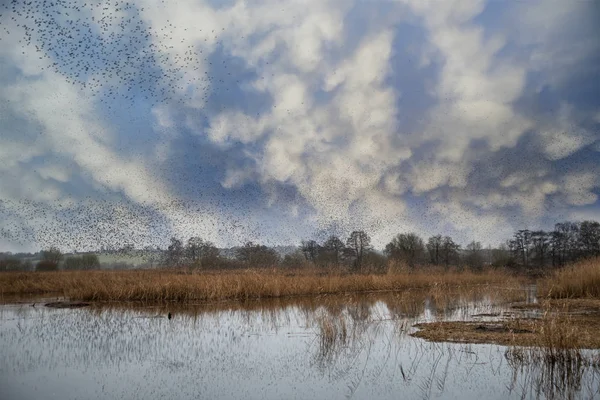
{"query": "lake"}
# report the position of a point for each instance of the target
(334, 347)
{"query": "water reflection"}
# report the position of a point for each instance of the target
(334, 347)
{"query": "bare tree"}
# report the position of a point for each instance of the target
(540, 244)
(53, 255)
(358, 244)
(201, 252)
(521, 245)
(86, 262)
(50, 260)
(434, 249)
(334, 247)
(449, 251)
(474, 255)
(294, 260)
(589, 238)
(175, 252)
(565, 242)
(501, 256)
(407, 247)
(254, 255)
(310, 249)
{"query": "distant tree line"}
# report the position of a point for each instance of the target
(568, 242)
(52, 259)
(526, 249)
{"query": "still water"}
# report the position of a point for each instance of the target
(263, 350)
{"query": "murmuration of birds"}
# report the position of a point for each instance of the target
(107, 49)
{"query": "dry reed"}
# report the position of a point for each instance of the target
(332, 333)
(156, 286)
(580, 280)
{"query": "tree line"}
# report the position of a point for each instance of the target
(526, 249)
(51, 259)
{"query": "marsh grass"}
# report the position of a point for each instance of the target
(555, 372)
(557, 363)
(333, 334)
(580, 280)
(156, 286)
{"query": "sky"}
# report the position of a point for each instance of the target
(128, 122)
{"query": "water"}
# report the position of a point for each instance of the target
(268, 350)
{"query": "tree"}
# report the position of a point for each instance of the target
(201, 252)
(294, 260)
(332, 250)
(11, 264)
(375, 262)
(520, 246)
(407, 247)
(358, 243)
(254, 255)
(449, 251)
(565, 242)
(540, 244)
(434, 249)
(72, 263)
(90, 261)
(193, 249)
(474, 255)
(310, 249)
(50, 260)
(52, 255)
(589, 238)
(501, 256)
(175, 252)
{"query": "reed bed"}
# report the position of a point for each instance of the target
(580, 280)
(158, 286)
(332, 333)
(558, 364)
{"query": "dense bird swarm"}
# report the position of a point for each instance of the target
(107, 49)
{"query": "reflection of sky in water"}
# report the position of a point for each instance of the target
(64, 354)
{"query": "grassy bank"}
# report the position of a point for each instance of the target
(156, 286)
(555, 333)
(581, 280)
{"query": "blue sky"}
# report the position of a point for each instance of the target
(276, 121)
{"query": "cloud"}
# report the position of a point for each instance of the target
(273, 122)
(565, 134)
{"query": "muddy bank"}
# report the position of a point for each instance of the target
(67, 304)
(562, 324)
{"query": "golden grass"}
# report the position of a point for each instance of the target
(157, 286)
(581, 280)
(563, 326)
(556, 335)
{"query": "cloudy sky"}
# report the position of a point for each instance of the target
(275, 121)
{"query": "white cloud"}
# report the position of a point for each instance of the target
(563, 136)
(578, 187)
(333, 131)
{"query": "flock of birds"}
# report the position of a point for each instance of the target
(95, 224)
(108, 49)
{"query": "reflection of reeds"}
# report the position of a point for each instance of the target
(554, 372)
(579, 280)
(332, 334)
(168, 285)
(555, 367)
